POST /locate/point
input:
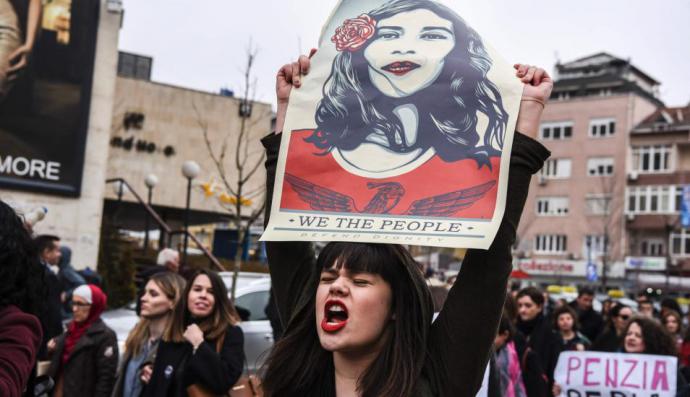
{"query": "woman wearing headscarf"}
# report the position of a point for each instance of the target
(84, 358)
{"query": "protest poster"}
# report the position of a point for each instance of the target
(594, 374)
(400, 133)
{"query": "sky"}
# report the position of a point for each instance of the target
(202, 44)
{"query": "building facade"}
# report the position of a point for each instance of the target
(659, 155)
(157, 127)
(573, 225)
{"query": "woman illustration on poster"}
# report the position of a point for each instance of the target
(408, 88)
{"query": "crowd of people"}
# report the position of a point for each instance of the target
(187, 341)
(358, 319)
(535, 330)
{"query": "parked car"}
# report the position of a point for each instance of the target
(252, 296)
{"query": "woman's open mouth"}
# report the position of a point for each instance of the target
(335, 316)
(400, 68)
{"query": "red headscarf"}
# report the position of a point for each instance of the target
(76, 330)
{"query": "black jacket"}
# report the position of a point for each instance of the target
(177, 368)
(51, 311)
(542, 340)
(591, 322)
(608, 341)
(461, 337)
(90, 369)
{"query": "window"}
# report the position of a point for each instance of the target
(653, 199)
(556, 169)
(600, 166)
(551, 243)
(254, 303)
(680, 243)
(601, 128)
(557, 131)
(552, 206)
(653, 247)
(598, 204)
(651, 159)
(593, 244)
(134, 66)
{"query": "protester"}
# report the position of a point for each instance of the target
(567, 325)
(610, 339)
(510, 308)
(84, 358)
(646, 308)
(684, 353)
(507, 362)
(21, 293)
(359, 315)
(560, 302)
(69, 279)
(537, 329)
(643, 335)
(51, 316)
(606, 306)
(673, 324)
(669, 304)
(202, 350)
(168, 260)
(591, 322)
(162, 293)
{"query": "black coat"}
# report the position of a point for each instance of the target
(177, 368)
(591, 322)
(90, 369)
(50, 314)
(542, 340)
(460, 340)
(608, 341)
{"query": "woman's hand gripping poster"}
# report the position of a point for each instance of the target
(400, 133)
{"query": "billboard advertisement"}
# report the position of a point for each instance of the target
(47, 50)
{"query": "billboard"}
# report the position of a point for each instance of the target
(46, 69)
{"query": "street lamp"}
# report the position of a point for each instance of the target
(120, 189)
(190, 170)
(151, 181)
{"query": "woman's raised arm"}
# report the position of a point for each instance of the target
(461, 337)
(290, 263)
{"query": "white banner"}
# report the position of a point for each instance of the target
(646, 263)
(593, 374)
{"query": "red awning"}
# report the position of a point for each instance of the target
(519, 274)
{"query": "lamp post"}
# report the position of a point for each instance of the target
(119, 188)
(151, 181)
(190, 170)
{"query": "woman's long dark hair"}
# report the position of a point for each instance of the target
(214, 326)
(351, 108)
(656, 339)
(299, 366)
(21, 272)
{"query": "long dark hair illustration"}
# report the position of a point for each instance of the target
(433, 67)
(353, 109)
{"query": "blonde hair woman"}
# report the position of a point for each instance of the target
(161, 294)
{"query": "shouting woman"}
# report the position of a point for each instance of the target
(359, 317)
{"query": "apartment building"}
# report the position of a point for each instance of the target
(659, 156)
(573, 225)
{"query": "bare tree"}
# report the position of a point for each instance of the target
(237, 164)
(609, 219)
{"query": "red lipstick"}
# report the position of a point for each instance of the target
(400, 68)
(335, 316)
